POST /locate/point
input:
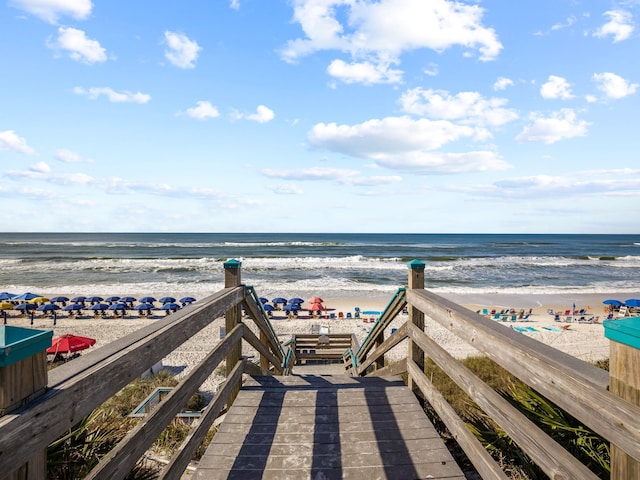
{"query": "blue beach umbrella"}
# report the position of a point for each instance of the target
(292, 307)
(144, 306)
(94, 299)
(632, 302)
(112, 299)
(73, 307)
(167, 300)
(268, 308)
(127, 299)
(296, 300)
(47, 307)
(25, 306)
(615, 303)
(7, 296)
(26, 296)
(59, 299)
(187, 300)
(263, 300)
(279, 300)
(98, 306)
(170, 306)
(147, 300)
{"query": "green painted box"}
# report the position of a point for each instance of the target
(18, 343)
(624, 330)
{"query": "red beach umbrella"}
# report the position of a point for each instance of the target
(70, 343)
(315, 300)
(316, 307)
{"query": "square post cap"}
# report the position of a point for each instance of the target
(415, 265)
(625, 331)
(232, 264)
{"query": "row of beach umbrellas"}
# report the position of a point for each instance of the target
(631, 302)
(31, 301)
(293, 304)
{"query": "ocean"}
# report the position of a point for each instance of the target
(333, 265)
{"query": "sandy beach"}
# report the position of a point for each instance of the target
(582, 340)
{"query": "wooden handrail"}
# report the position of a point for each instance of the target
(121, 459)
(397, 337)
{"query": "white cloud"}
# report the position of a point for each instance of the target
(502, 83)
(203, 110)
(560, 125)
(431, 69)
(115, 97)
(364, 72)
(40, 167)
(556, 88)
(51, 10)
(67, 156)
(381, 31)
(235, 4)
(181, 51)
(614, 86)
(468, 107)
(405, 144)
(9, 140)
(620, 25)
(559, 26)
(314, 173)
(78, 46)
(263, 115)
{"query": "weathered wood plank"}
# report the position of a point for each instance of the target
(384, 347)
(549, 455)
(255, 342)
(576, 386)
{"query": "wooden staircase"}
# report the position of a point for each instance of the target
(326, 427)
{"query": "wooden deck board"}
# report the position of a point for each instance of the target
(326, 426)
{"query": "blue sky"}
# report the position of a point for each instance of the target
(320, 116)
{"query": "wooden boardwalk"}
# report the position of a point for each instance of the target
(326, 427)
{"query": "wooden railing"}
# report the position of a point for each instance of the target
(78, 387)
(577, 387)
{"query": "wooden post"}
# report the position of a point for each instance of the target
(379, 363)
(624, 381)
(232, 317)
(416, 281)
(264, 361)
(23, 377)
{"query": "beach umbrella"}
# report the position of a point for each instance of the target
(315, 300)
(39, 300)
(268, 308)
(6, 306)
(187, 300)
(73, 307)
(144, 306)
(70, 343)
(127, 299)
(25, 306)
(615, 303)
(263, 300)
(59, 299)
(279, 300)
(170, 306)
(167, 300)
(118, 306)
(296, 300)
(292, 307)
(147, 300)
(79, 299)
(7, 296)
(98, 306)
(316, 307)
(47, 307)
(25, 296)
(94, 299)
(112, 299)
(632, 302)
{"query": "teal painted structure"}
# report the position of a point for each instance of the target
(233, 264)
(415, 265)
(625, 331)
(18, 343)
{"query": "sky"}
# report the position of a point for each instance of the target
(387, 116)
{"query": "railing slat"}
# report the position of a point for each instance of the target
(187, 449)
(255, 342)
(73, 394)
(397, 337)
(549, 455)
(475, 451)
(123, 457)
(575, 386)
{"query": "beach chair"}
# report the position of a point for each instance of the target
(357, 310)
(485, 311)
(340, 315)
(349, 315)
(622, 312)
(332, 315)
(496, 316)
